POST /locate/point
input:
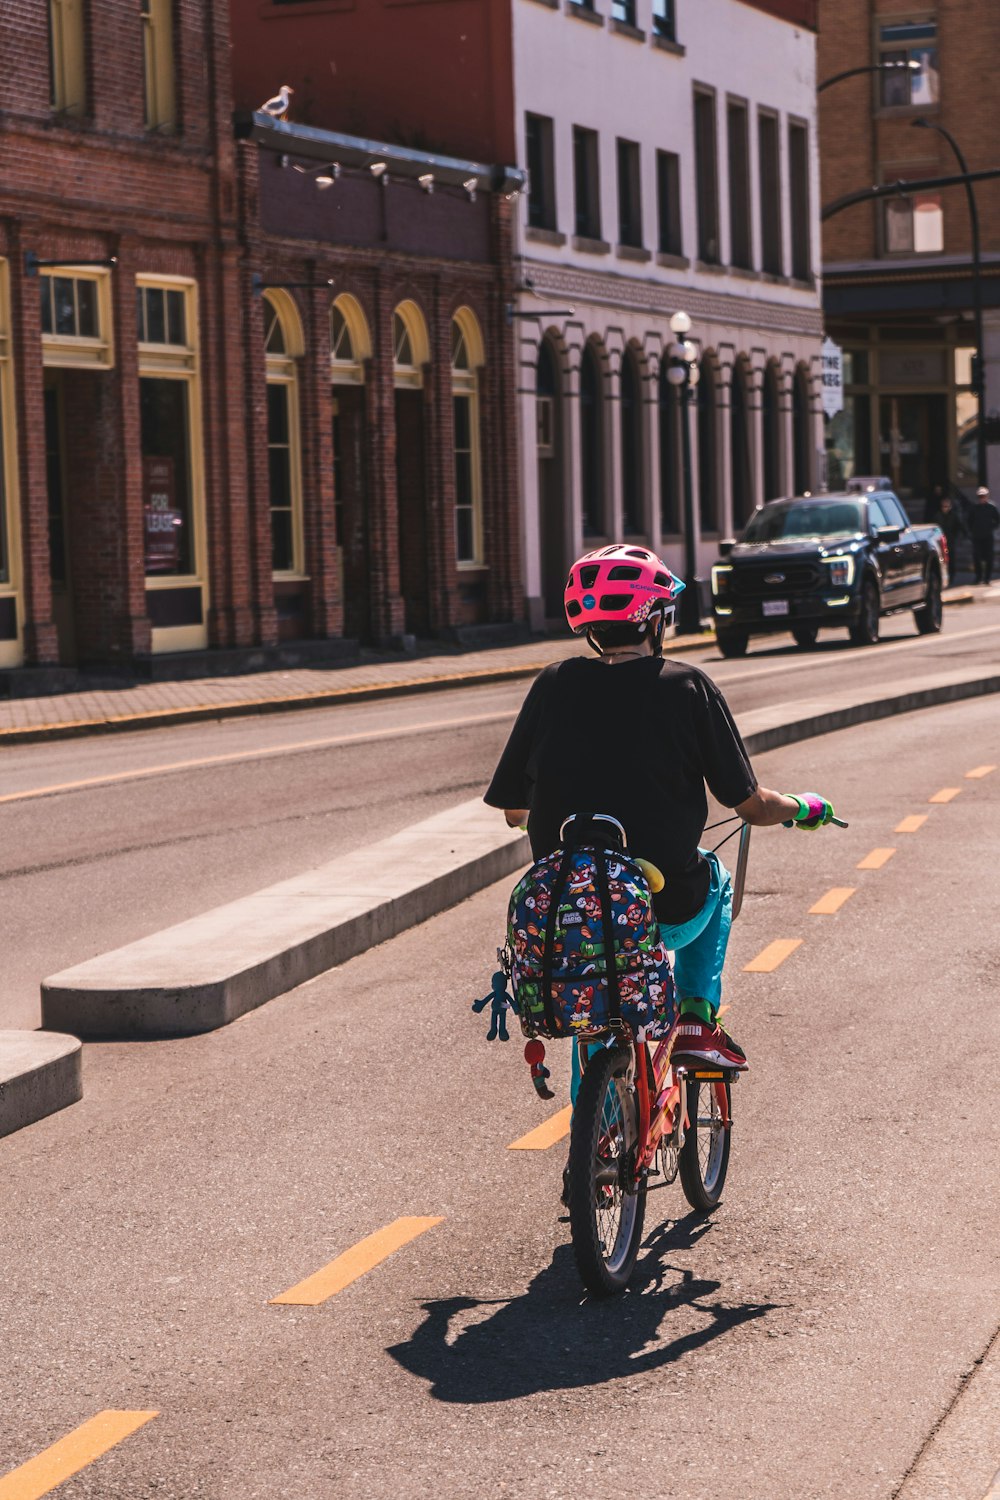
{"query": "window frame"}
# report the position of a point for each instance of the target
(411, 377)
(665, 25)
(669, 204)
(881, 50)
(67, 58)
(799, 213)
(282, 370)
(741, 248)
(705, 106)
(586, 175)
(159, 84)
(772, 227)
(628, 163)
(75, 351)
(350, 371)
(182, 362)
(910, 201)
(11, 652)
(539, 141)
(466, 386)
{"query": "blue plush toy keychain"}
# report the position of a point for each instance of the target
(498, 1000)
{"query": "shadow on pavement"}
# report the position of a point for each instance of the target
(551, 1339)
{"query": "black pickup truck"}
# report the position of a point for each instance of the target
(811, 562)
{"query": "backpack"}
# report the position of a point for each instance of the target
(560, 963)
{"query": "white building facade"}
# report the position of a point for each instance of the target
(672, 152)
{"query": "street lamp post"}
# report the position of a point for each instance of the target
(682, 372)
(910, 64)
(979, 368)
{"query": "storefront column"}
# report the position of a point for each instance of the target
(612, 414)
(755, 422)
(574, 483)
(651, 453)
(325, 605)
(387, 610)
(439, 460)
(991, 375)
(41, 646)
(786, 425)
(259, 490)
(724, 452)
(230, 614)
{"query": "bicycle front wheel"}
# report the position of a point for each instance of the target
(704, 1157)
(606, 1206)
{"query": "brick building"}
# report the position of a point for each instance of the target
(672, 155)
(898, 290)
(180, 383)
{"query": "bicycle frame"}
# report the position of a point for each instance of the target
(660, 1105)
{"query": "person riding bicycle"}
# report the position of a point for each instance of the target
(640, 742)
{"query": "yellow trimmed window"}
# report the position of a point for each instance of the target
(158, 64)
(76, 318)
(169, 410)
(10, 645)
(283, 342)
(67, 74)
(466, 359)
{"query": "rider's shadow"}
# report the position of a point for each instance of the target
(545, 1341)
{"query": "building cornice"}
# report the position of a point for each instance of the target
(797, 12)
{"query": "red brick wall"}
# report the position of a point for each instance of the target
(857, 141)
(799, 12)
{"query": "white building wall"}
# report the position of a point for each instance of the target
(602, 77)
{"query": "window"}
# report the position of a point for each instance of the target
(410, 345)
(629, 195)
(798, 200)
(160, 315)
(668, 203)
(541, 172)
(740, 238)
(906, 43)
(669, 412)
(76, 318)
(158, 63)
(466, 359)
(350, 341)
(67, 75)
(770, 194)
(706, 172)
(623, 11)
(282, 344)
(913, 226)
(630, 411)
(586, 183)
(665, 19)
(592, 442)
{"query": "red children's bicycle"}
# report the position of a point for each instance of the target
(637, 1117)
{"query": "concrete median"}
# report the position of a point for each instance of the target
(205, 972)
(39, 1074)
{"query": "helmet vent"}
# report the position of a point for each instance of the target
(588, 576)
(638, 552)
(616, 601)
(662, 580)
(623, 573)
(573, 609)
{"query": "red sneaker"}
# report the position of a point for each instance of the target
(700, 1045)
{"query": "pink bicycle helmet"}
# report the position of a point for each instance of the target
(618, 585)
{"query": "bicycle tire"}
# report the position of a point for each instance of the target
(704, 1156)
(606, 1106)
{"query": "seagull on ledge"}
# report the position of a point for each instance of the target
(277, 107)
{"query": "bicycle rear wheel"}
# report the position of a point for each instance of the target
(704, 1157)
(606, 1206)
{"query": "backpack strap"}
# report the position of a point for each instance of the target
(551, 920)
(607, 921)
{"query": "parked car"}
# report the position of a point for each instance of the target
(810, 562)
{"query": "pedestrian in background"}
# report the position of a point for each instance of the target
(984, 518)
(951, 523)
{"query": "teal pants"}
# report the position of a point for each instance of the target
(698, 945)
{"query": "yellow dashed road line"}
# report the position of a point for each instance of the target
(912, 824)
(44, 1473)
(554, 1129)
(362, 1257)
(876, 859)
(979, 773)
(774, 954)
(834, 899)
(946, 794)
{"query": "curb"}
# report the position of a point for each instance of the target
(160, 717)
(40, 1073)
(204, 973)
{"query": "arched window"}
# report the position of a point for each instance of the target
(592, 441)
(467, 359)
(801, 425)
(739, 432)
(708, 448)
(771, 432)
(410, 345)
(630, 412)
(283, 345)
(350, 342)
(669, 412)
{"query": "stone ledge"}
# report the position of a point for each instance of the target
(40, 1073)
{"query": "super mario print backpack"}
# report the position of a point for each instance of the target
(583, 945)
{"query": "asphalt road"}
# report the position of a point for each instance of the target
(186, 818)
(802, 1344)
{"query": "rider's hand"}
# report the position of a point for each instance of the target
(814, 810)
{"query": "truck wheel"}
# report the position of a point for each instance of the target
(928, 617)
(732, 642)
(805, 636)
(865, 631)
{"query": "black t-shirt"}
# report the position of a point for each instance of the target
(637, 739)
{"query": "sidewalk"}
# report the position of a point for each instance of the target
(151, 705)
